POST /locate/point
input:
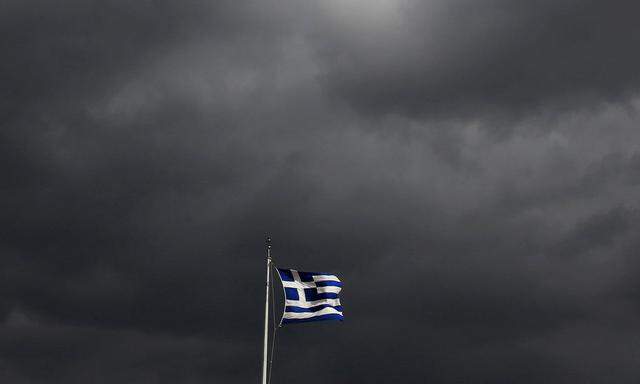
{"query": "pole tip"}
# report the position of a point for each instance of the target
(268, 241)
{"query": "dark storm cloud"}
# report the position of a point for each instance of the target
(146, 148)
(453, 58)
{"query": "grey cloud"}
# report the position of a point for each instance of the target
(147, 148)
(494, 58)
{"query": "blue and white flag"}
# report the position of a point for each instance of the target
(310, 296)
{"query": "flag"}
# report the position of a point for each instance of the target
(310, 296)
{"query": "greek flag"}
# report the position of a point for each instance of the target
(310, 296)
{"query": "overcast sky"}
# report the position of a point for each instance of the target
(469, 168)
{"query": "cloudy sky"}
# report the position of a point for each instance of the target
(469, 168)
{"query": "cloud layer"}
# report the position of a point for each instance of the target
(469, 168)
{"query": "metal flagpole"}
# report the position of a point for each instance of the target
(266, 312)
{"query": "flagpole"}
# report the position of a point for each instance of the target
(266, 313)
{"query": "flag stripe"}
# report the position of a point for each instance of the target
(332, 316)
(325, 278)
(316, 308)
(328, 289)
(299, 284)
(328, 283)
(308, 304)
(304, 315)
(311, 284)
